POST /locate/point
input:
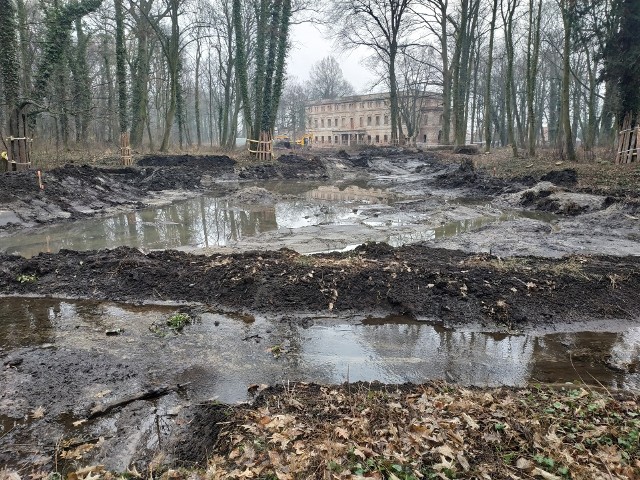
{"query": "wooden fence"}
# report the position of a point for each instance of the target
(18, 154)
(628, 142)
(263, 148)
(125, 149)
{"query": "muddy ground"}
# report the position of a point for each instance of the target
(447, 285)
(523, 273)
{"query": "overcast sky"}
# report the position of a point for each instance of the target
(310, 46)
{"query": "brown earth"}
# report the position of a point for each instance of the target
(447, 285)
(539, 426)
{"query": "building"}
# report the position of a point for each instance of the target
(365, 120)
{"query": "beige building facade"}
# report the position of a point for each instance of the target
(365, 120)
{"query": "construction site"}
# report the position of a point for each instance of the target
(142, 303)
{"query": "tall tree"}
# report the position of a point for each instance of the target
(533, 55)
(380, 25)
(274, 18)
(567, 8)
(121, 72)
(487, 88)
(326, 81)
(622, 64)
(9, 66)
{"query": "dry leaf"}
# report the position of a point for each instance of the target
(470, 421)
(462, 460)
(77, 423)
(544, 474)
(446, 451)
(38, 412)
(523, 464)
(342, 433)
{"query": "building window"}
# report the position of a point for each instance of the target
(386, 139)
(377, 103)
(322, 108)
(336, 139)
(370, 104)
(322, 123)
(386, 119)
(369, 121)
(377, 120)
(344, 122)
(309, 123)
(316, 139)
(315, 123)
(369, 138)
(361, 104)
(377, 138)
(329, 139)
(441, 119)
(335, 122)
(328, 122)
(322, 139)
(362, 121)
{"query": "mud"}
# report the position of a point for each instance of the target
(60, 365)
(452, 286)
(435, 271)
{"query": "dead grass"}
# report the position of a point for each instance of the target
(570, 266)
(595, 171)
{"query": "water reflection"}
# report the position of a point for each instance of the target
(198, 222)
(222, 354)
(351, 193)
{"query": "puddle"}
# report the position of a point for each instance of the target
(57, 356)
(222, 354)
(323, 218)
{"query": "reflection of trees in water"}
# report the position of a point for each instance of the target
(27, 321)
(201, 222)
(350, 194)
(585, 356)
(466, 357)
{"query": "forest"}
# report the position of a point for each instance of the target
(189, 74)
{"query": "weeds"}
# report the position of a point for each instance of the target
(178, 321)
(27, 278)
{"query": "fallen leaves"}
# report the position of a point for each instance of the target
(430, 431)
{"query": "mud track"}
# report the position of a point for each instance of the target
(448, 286)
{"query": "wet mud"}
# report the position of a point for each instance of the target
(419, 280)
(420, 270)
(103, 383)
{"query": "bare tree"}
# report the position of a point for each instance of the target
(381, 25)
(326, 81)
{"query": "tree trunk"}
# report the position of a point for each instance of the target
(487, 90)
(532, 73)
(121, 73)
(566, 82)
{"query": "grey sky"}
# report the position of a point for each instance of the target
(309, 46)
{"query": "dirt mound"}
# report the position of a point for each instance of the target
(193, 440)
(287, 167)
(564, 178)
(201, 161)
(253, 195)
(547, 197)
(466, 150)
(445, 284)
